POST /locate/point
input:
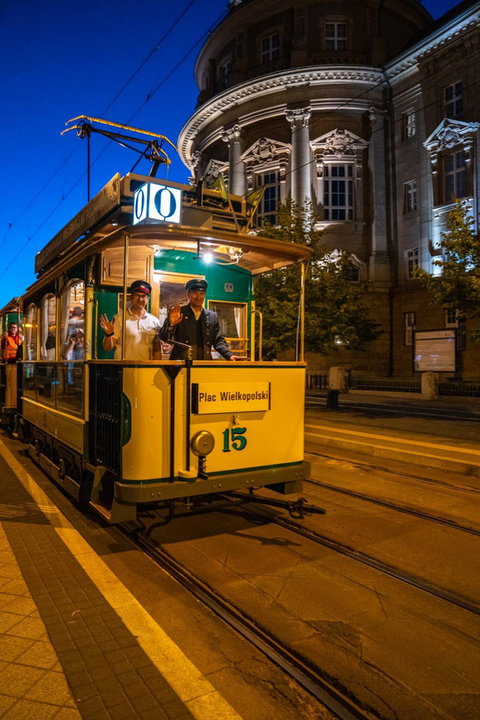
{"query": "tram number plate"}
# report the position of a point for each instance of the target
(234, 439)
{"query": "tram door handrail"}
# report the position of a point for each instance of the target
(254, 312)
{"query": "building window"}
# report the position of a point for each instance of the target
(454, 176)
(409, 320)
(453, 100)
(409, 127)
(451, 318)
(411, 259)
(336, 36)
(267, 208)
(270, 48)
(338, 192)
(224, 72)
(409, 196)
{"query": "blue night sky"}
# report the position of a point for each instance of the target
(130, 62)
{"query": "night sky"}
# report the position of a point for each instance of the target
(130, 62)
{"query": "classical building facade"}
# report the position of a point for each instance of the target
(371, 111)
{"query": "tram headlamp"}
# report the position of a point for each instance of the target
(202, 443)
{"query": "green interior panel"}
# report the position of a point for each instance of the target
(236, 279)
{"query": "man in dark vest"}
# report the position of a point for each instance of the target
(193, 325)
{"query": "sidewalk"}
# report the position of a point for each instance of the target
(443, 433)
(74, 642)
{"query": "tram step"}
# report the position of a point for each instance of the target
(101, 510)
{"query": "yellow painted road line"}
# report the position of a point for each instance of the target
(393, 438)
(203, 701)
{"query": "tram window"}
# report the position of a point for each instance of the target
(72, 319)
(70, 387)
(172, 292)
(30, 328)
(48, 327)
(232, 318)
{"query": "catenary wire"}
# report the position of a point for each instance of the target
(156, 47)
(151, 94)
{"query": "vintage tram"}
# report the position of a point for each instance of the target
(117, 434)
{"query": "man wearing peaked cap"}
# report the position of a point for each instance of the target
(141, 286)
(141, 336)
(195, 326)
(196, 284)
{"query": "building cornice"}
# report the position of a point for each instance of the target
(235, 97)
(407, 63)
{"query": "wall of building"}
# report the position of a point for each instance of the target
(310, 85)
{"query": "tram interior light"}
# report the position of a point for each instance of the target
(207, 257)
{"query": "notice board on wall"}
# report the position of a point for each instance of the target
(434, 350)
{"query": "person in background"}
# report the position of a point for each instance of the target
(195, 326)
(141, 328)
(11, 346)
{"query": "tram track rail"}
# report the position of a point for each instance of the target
(393, 506)
(367, 560)
(336, 700)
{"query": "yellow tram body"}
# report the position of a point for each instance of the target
(269, 444)
(117, 433)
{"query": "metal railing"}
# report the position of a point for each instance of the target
(447, 387)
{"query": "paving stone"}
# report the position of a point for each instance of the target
(40, 654)
(52, 688)
(69, 714)
(11, 647)
(20, 605)
(29, 710)
(6, 702)
(7, 621)
(28, 628)
(18, 680)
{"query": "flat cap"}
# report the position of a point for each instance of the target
(196, 284)
(141, 286)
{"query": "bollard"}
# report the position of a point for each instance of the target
(332, 399)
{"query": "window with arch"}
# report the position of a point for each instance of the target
(30, 331)
(48, 327)
(72, 320)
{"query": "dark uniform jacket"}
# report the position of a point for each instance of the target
(190, 331)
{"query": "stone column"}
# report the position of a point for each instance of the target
(379, 261)
(236, 175)
(301, 165)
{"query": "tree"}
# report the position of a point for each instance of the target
(456, 284)
(335, 314)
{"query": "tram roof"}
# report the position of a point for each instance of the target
(209, 220)
(11, 306)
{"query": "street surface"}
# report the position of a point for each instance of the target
(380, 595)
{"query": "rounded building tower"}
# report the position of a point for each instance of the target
(293, 97)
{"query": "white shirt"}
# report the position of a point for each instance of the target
(140, 334)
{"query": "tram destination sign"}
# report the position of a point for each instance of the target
(157, 202)
(104, 202)
(209, 398)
